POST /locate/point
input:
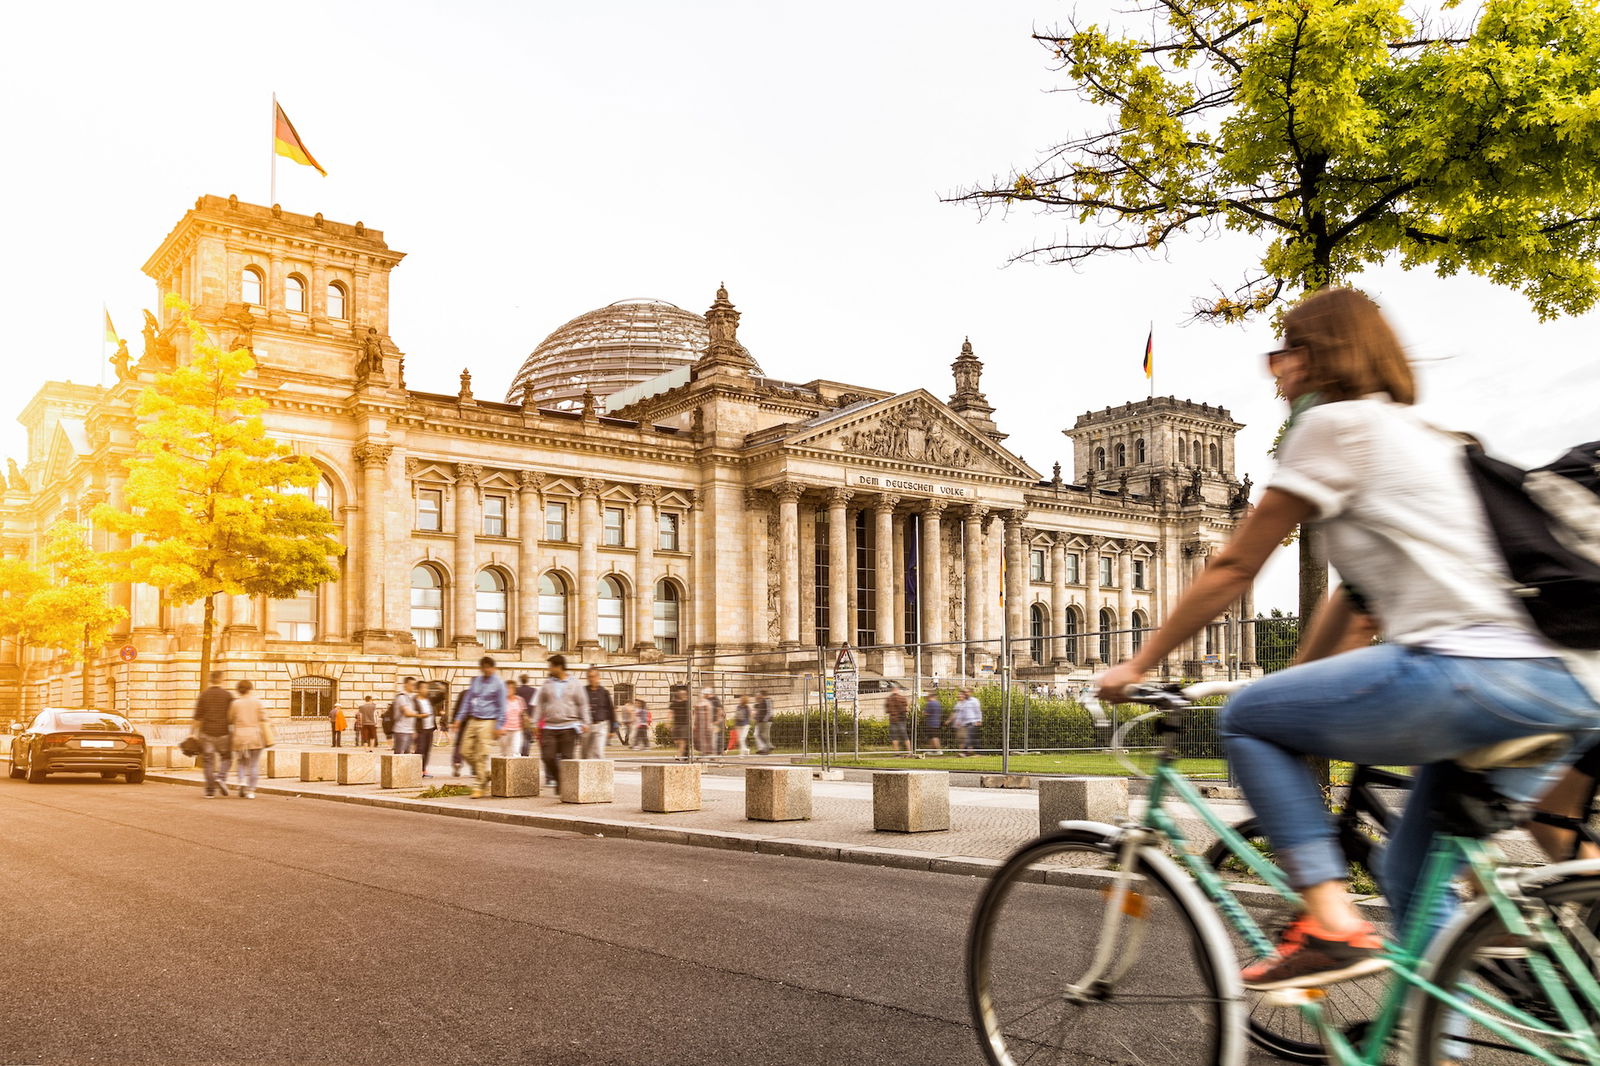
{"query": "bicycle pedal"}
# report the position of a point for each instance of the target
(1293, 997)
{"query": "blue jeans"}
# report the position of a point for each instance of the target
(1386, 705)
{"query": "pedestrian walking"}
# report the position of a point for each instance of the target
(526, 690)
(404, 729)
(482, 721)
(427, 724)
(455, 749)
(933, 719)
(966, 719)
(248, 733)
(682, 719)
(516, 710)
(763, 723)
(641, 726)
(742, 715)
(897, 707)
(601, 713)
(627, 718)
(337, 722)
(211, 729)
(562, 710)
(707, 719)
(367, 723)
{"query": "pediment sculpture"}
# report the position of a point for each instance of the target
(909, 433)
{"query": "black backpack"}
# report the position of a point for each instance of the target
(387, 719)
(1546, 523)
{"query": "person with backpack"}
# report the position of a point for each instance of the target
(1466, 663)
(763, 723)
(403, 717)
(741, 726)
(427, 722)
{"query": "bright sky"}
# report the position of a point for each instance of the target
(536, 160)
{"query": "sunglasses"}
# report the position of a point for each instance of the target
(1278, 353)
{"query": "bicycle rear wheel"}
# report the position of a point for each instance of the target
(1067, 961)
(1476, 962)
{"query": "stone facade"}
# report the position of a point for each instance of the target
(714, 510)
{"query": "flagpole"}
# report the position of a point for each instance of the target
(272, 147)
(1152, 343)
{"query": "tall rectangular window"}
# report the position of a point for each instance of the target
(1074, 569)
(1139, 574)
(494, 516)
(819, 591)
(614, 527)
(296, 617)
(866, 580)
(668, 541)
(555, 521)
(1105, 570)
(1036, 564)
(430, 510)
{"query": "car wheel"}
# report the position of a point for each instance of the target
(16, 770)
(135, 777)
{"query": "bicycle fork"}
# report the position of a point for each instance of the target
(1124, 903)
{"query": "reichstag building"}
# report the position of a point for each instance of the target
(646, 490)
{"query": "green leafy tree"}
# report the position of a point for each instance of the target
(59, 603)
(215, 505)
(1336, 134)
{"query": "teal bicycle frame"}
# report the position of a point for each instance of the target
(1407, 957)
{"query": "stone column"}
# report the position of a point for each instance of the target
(530, 525)
(808, 574)
(1058, 597)
(374, 460)
(758, 614)
(647, 531)
(1016, 619)
(994, 551)
(1091, 600)
(888, 621)
(840, 629)
(1247, 628)
(466, 559)
(972, 563)
(931, 576)
(1125, 601)
(588, 591)
(789, 563)
(899, 564)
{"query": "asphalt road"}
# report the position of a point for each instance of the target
(144, 924)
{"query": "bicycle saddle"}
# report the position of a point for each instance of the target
(1535, 750)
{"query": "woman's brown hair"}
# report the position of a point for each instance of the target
(1351, 349)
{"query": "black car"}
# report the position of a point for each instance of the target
(78, 742)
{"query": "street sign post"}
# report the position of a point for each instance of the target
(846, 689)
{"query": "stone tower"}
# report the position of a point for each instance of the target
(1175, 450)
(968, 400)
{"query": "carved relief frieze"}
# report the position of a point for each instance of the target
(914, 433)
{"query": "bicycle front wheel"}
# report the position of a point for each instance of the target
(1071, 958)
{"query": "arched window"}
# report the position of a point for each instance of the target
(310, 697)
(1141, 622)
(1138, 450)
(1216, 457)
(427, 606)
(553, 612)
(612, 606)
(295, 618)
(1122, 454)
(1108, 622)
(491, 609)
(1073, 628)
(294, 293)
(669, 607)
(1099, 458)
(1038, 625)
(1198, 455)
(337, 300)
(252, 283)
(322, 494)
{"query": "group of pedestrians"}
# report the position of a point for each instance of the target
(232, 730)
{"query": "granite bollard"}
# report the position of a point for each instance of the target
(669, 786)
(319, 766)
(587, 780)
(282, 762)
(514, 777)
(1081, 799)
(357, 767)
(777, 793)
(399, 771)
(911, 801)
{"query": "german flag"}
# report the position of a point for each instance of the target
(287, 143)
(1150, 353)
(111, 331)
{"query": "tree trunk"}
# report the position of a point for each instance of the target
(205, 641)
(88, 688)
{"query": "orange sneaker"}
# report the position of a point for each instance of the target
(1309, 956)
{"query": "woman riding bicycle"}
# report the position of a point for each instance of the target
(1464, 666)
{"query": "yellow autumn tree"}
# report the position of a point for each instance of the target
(59, 602)
(215, 506)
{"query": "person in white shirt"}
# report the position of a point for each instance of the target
(406, 715)
(966, 719)
(1464, 666)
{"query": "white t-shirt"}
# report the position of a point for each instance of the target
(1405, 526)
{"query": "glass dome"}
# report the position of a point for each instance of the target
(607, 350)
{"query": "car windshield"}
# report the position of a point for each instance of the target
(92, 720)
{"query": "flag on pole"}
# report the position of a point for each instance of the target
(111, 331)
(287, 143)
(1150, 354)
